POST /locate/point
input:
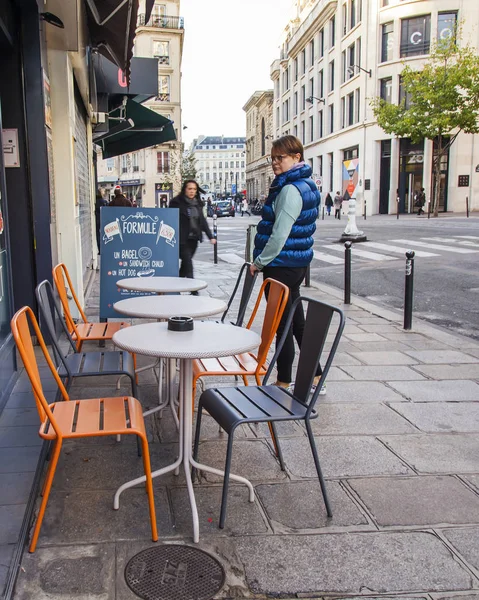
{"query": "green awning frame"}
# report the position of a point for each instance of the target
(133, 127)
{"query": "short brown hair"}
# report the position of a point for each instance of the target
(288, 144)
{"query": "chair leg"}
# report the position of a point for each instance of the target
(226, 481)
(199, 414)
(134, 368)
(318, 468)
(46, 493)
(274, 437)
(149, 487)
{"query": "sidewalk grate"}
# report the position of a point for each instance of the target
(174, 572)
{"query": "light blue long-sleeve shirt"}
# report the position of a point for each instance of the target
(287, 208)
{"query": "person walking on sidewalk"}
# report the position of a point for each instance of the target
(338, 200)
(284, 242)
(420, 201)
(328, 203)
(120, 199)
(244, 208)
(192, 225)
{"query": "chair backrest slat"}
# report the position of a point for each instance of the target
(248, 284)
(50, 311)
(21, 322)
(277, 299)
(319, 319)
(60, 274)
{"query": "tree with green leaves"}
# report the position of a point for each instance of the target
(188, 167)
(441, 100)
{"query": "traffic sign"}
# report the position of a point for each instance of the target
(319, 182)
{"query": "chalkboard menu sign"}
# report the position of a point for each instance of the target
(135, 242)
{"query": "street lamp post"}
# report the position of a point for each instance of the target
(231, 182)
(226, 177)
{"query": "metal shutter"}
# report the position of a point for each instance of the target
(83, 185)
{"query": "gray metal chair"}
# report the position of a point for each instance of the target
(233, 406)
(80, 364)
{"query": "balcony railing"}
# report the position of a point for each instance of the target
(162, 60)
(162, 22)
(163, 98)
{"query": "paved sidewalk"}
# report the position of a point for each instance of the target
(398, 440)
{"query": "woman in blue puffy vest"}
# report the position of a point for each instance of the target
(284, 241)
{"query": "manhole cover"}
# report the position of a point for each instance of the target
(174, 572)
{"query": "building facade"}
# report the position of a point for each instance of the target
(335, 58)
(220, 164)
(153, 175)
(259, 135)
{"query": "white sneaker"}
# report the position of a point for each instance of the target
(322, 391)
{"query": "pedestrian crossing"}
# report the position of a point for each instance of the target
(385, 251)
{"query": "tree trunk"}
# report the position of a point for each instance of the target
(437, 177)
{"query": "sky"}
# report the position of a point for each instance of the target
(229, 46)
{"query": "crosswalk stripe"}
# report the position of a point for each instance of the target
(334, 260)
(414, 243)
(452, 241)
(396, 249)
(362, 253)
(469, 237)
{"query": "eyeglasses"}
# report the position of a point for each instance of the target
(277, 158)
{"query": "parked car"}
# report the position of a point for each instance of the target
(224, 209)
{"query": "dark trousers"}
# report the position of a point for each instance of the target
(337, 213)
(243, 211)
(293, 278)
(187, 251)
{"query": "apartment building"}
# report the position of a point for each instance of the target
(334, 59)
(259, 135)
(220, 164)
(152, 176)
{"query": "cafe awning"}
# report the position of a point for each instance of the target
(112, 26)
(133, 127)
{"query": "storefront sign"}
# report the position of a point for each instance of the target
(11, 157)
(135, 243)
(129, 182)
(143, 80)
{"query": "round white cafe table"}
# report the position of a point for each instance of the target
(162, 285)
(164, 307)
(207, 340)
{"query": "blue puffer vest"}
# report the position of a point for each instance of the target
(297, 251)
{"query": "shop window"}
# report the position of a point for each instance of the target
(295, 68)
(161, 51)
(311, 53)
(321, 43)
(320, 124)
(446, 25)
(303, 61)
(331, 118)
(351, 153)
(163, 88)
(415, 36)
(385, 89)
(311, 129)
(321, 83)
(163, 162)
(332, 31)
(331, 76)
(110, 164)
(135, 162)
(404, 97)
(124, 163)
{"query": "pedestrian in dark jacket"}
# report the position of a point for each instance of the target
(100, 201)
(328, 203)
(120, 199)
(192, 224)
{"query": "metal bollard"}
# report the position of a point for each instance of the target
(467, 207)
(347, 273)
(397, 208)
(322, 217)
(364, 210)
(215, 236)
(307, 279)
(429, 209)
(408, 289)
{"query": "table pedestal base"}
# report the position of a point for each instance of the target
(185, 457)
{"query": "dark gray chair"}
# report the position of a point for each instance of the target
(80, 364)
(248, 285)
(233, 406)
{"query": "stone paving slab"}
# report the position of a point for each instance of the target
(359, 419)
(343, 358)
(252, 459)
(11, 517)
(19, 460)
(459, 371)
(437, 453)
(438, 357)
(438, 391)
(341, 457)
(384, 358)
(365, 337)
(383, 373)
(381, 328)
(464, 541)
(349, 563)
(408, 501)
(82, 572)
(360, 391)
(337, 374)
(15, 487)
(385, 345)
(6, 552)
(300, 506)
(19, 437)
(441, 416)
(18, 417)
(26, 400)
(474, 480)
(473, 352)
(243, 517)
(87, 515)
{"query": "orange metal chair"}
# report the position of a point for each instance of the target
(86, 331)
(76, 418)
(244, 365)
